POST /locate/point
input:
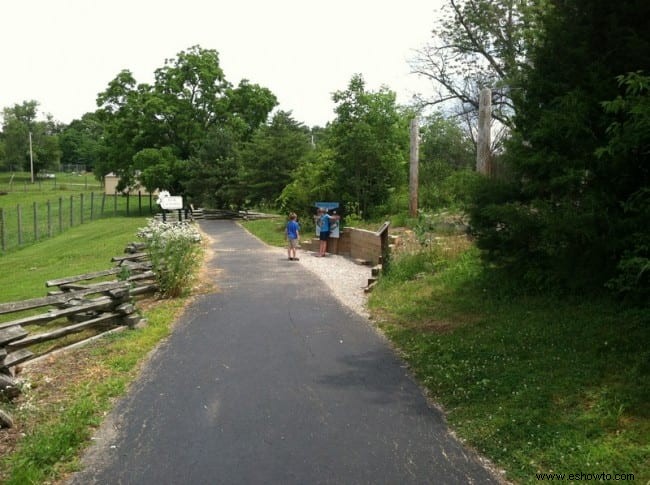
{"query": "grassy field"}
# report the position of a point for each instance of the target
(537, 383)
(67, 396)
(80, 250)
(33, 212)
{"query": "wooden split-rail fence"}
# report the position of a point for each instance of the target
(91, 301)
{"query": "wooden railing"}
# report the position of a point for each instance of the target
(78, 303)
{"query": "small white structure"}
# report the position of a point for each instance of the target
(110, 186)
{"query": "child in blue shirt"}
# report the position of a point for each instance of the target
(292, 235)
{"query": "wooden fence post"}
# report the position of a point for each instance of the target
(49, 219)
(60, 215)
(3, 234)
(71, 211)
(92, 204)
(35, 223)
(81, 210)
(20, 225)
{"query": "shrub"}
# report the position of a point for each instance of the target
(175, 251)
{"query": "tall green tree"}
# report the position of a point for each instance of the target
(120, 113)
(19, 124)
(562, 219)
(370, 140)
(190, 109)
(273, 154)
(445, 150)
(80, 142)
(314, 180)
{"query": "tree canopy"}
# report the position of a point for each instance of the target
(191, 111)
(370, 141)
(566, 215)
(20, 123)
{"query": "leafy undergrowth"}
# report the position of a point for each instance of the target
(536, 383)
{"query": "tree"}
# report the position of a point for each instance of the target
(190, 109)
(445, 149)
(370, 142)
(314, 180)
(477, 44)
(562, 218)
(160, 169)
(20, 122)
(270, 158)
(81, 142)
(121, 116)
(628, 151)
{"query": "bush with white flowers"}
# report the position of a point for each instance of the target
(175, 252)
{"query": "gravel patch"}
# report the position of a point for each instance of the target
(345, 278)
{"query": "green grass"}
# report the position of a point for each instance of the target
(57, 428)
(271, 231)
(82, 249)
(21, 182)
(32, 212)
(534, 382)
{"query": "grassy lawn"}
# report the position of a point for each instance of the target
(66, 397)
(536, 383)
(21, 182)
(271, 231)
(32, 212)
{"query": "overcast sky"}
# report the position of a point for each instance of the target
(62, 53)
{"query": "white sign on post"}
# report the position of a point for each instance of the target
(171, 202)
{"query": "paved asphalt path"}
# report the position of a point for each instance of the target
(270, 380)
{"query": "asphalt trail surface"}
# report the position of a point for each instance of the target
(271, 380)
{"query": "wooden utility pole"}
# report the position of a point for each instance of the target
(31, 157)
(483, 154)
(414, 167)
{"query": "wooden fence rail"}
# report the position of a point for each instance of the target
(78, 303)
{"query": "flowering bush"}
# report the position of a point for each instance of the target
(175, 253)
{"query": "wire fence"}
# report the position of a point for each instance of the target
(26, 223)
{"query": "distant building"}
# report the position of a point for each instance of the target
(110, 186)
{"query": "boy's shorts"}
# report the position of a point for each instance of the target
(324, 235)
(293, 243)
